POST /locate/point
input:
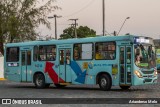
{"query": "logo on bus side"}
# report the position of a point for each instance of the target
(90, 65)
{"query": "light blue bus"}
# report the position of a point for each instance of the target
(123, 61)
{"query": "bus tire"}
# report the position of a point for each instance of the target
(104, 82)
(40, 81)
(59, 85)
(125, 87)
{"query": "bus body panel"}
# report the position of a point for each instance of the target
(12, 70)
(13, 74)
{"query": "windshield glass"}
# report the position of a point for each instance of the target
(145, 56)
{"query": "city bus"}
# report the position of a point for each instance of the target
(106, 61)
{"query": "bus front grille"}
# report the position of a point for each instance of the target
(148, 80)
(147, 72)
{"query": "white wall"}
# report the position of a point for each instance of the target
(1, 67)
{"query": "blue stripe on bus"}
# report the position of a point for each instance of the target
(78, 71)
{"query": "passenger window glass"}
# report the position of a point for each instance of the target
(42, 55)
(51, 53)
(128, 55)
(68, 56)
(12, 54)
(61, 57)
(47, 53)
(35, 54)
(83, 51)
(23, 59)
(28, 57)
(105, 50)
(122, 55)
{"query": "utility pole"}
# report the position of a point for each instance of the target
(55, 17)
(75, 25)
(72, 25)
(103, 13)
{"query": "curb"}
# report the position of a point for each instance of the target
(2, 79)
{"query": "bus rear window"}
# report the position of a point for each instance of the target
(12, 54)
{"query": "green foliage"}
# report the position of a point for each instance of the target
(82, 32)
(20, 18)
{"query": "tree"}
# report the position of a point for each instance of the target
(20, 18)
(82, 32)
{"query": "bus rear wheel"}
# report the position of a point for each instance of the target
(39, 81)
(104, 82)
(125, 87)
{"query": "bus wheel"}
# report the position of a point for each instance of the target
(59, 85)
(104, 82)
(125, 87)
(39, 81)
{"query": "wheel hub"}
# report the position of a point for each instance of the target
(39, 81)
(103, 82)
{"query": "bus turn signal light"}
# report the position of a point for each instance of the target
(138, 74)
(155, 73)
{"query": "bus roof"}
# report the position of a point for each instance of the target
(75, 40)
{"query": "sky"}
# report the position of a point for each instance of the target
(144, 16)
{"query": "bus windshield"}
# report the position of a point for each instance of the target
(145, 56)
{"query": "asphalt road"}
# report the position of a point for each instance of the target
(27, 90)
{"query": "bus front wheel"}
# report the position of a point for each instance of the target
(39, 81)
(104, 82)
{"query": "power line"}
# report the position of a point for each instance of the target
(90, 3)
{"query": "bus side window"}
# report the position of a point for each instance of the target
(42, 55)
(77, 51)
(47, 53)
(83, 51)
(35, 53)
(53, 54)
(105, 51)
(12, 54)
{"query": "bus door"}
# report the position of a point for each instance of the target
(125, 65)
(26, 66)
(64, 64)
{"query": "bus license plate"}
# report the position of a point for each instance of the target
(150, 76)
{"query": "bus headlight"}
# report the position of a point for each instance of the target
(138, 74)
(155, 73)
